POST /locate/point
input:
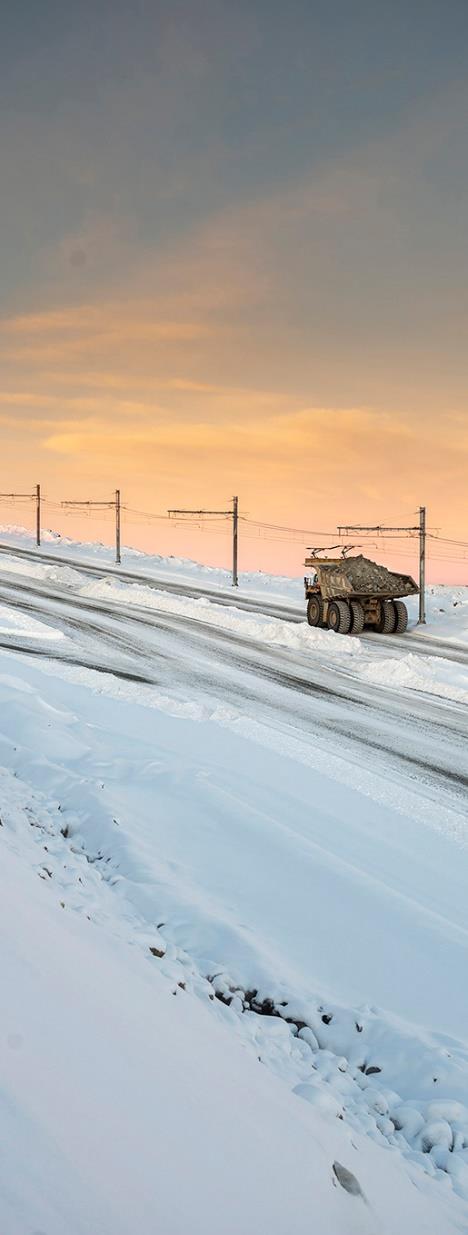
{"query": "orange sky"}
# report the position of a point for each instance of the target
(210, 290)
(117, 393)
(99, 396)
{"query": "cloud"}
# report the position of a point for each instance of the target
(87, 327)
(285, 341)
(308, 291)
(356, 449)
(176, 399)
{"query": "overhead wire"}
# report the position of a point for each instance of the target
(255, 529)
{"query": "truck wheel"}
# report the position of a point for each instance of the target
(339, 616)
(401, 617)
(357, 618)
(387, 622)
(314, 611)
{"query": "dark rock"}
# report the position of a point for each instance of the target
(347, 1180)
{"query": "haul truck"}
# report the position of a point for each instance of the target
(347, 594)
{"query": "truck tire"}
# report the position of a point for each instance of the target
(387, 622)
(339, 617)
(357, 618)
(315, 610)
(401, 617)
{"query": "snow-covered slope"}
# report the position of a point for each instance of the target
(128, 1106)
(233, 958)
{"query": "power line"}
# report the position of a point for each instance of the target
(35, 496)
(448, 541)
(381, 530)
(207, 522)
(234, 513)
(88, 505)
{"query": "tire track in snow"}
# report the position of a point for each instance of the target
(421, 644)
(314, 702)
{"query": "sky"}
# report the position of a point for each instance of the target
(234, 259)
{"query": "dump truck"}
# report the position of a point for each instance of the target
(347, 594)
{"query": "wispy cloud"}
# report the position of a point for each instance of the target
(271, 343)
(319, 444)
(90, 327)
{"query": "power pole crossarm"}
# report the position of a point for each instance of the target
(35, 497)
(234, 515)
(421, 528)
(116, 505)
(344, 529)
(199, 512)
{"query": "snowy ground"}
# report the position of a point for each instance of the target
(447, 606)
(234, 862)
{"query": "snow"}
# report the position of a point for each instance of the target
(183, 569)
(446, 605)
(27, 627)
(447, 611)
(426, 674)
(176, 864)
(125, 1108)
(413, 672)
(300, 637)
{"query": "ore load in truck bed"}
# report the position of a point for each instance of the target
(358, 576)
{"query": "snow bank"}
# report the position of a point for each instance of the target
(447, 606)
(447, 611)
(298, 636)
(64, 575)
(156, 564)
(127, 1107)
(130, 1105)
(429, 674)
(153, 828)
(14, 622)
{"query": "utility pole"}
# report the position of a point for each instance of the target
(421, 528)
(235, 528)
(38, 516)
(422, 565)
(234, 515)
(116, 505)
(32, 497)
(117, 526)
